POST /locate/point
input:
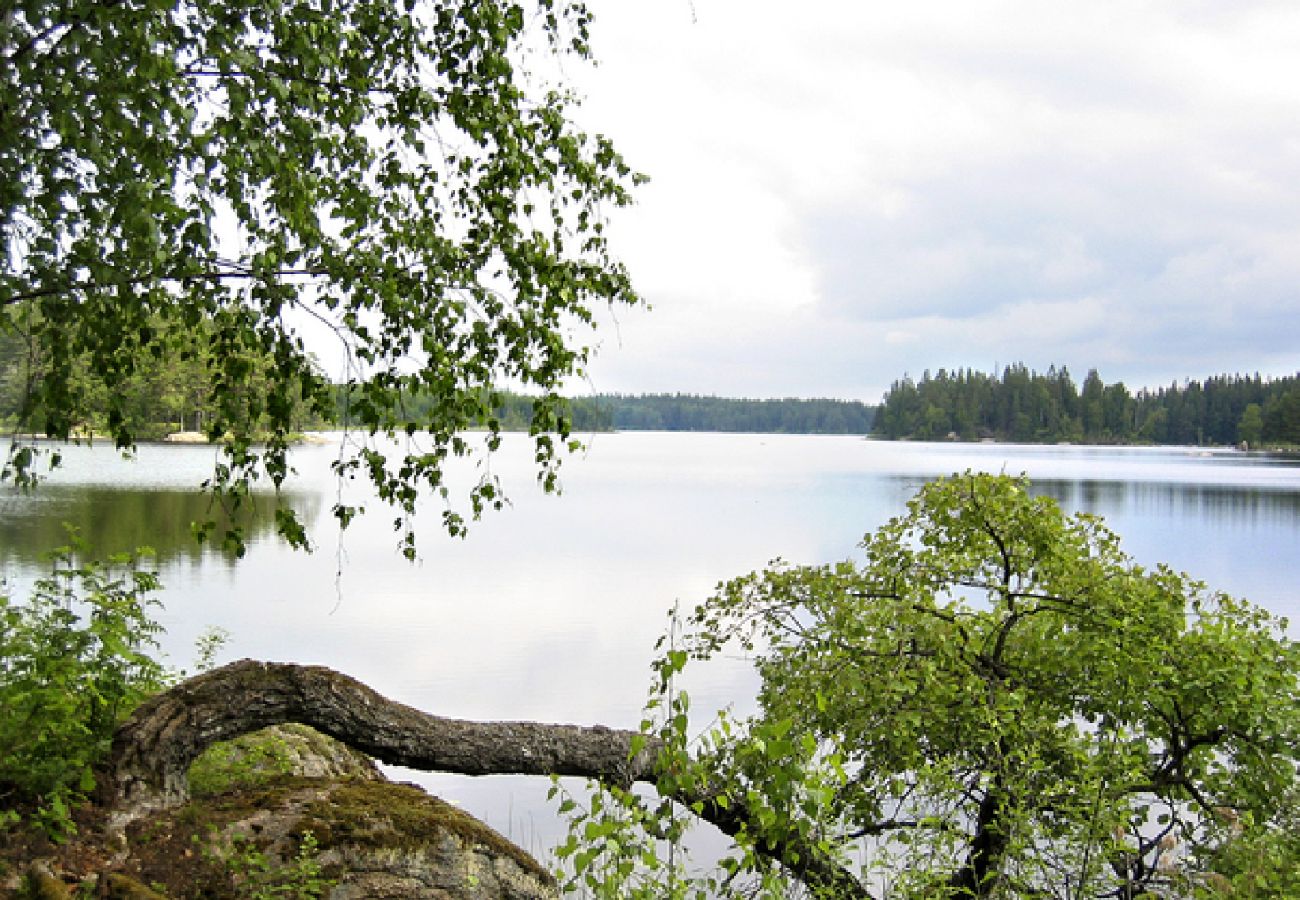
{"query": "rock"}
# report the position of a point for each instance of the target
(354, 839)
(288, 807)
(264, 755)
(287, 812)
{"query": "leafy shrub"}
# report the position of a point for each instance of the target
(75, 659)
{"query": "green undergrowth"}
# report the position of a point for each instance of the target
(75, 658)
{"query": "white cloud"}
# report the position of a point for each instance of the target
(846, 191)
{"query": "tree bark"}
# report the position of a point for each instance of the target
(152, 750)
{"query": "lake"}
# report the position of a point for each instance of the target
(549, 609)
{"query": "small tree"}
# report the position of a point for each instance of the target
(1251, 426)
(998, 702)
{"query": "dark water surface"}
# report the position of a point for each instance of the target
(549, 610)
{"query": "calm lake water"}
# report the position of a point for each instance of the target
(550, 609)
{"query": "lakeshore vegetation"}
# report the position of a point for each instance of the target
(174, 390)
(1026, 406)
(172, 393)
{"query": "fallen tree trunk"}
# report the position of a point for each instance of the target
(152, 750)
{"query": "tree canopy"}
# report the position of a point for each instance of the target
(407, 175)
(997, 702)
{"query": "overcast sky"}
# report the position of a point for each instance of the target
(845, 190)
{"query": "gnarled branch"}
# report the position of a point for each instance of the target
(152, 750)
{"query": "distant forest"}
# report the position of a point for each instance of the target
(688, 412)
(172, 392)
(691, 412)
(1022, 405)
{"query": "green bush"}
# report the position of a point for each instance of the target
(75, 658)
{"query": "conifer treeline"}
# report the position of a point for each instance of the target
(1021, 405)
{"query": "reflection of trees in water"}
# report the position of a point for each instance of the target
(1207, 502)
(1210, 502)
(112, 520)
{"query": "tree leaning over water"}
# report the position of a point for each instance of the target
(399, 172)
(997, 702)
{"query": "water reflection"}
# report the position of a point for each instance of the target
(1209, 503)
(119, 520)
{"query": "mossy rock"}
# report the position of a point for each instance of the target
(264, 756)
(289, 812)
(368, 839)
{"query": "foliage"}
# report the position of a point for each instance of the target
(1281, 417)
(997, 702)
(173, 394)
(1021, 405)
(75, 658)
(615, 847)
(210, 642)
(404, 175)
(166, 391)
(1260, 863)
(510, 411)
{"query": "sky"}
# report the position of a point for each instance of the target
(845, 191)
